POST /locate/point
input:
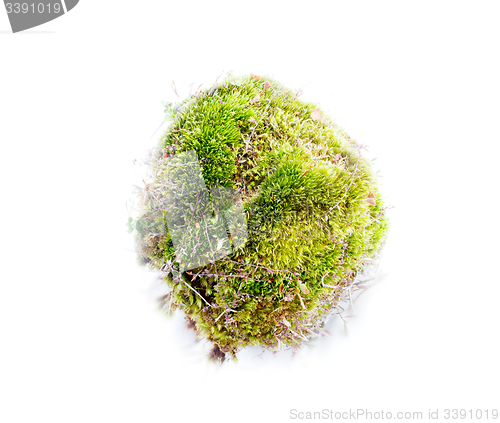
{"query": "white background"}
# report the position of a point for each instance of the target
(80, 339)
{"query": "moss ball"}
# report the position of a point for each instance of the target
(314, 214)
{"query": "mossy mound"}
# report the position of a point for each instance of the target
(314, 214)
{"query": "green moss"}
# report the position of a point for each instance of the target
(314, 214)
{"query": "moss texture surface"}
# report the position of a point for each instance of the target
(314, 213)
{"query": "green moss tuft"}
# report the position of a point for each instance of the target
(314, 214)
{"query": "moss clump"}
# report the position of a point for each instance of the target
(314, 214)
